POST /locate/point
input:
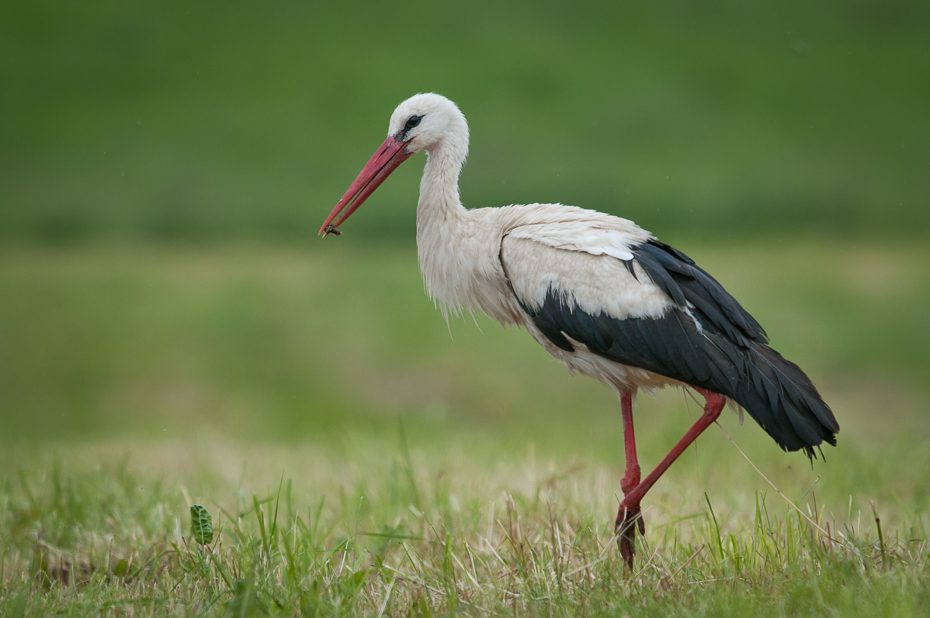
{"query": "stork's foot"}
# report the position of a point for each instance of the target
(629, 520)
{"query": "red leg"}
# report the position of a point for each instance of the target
(627, 533)
(629, 511)
(631, 476)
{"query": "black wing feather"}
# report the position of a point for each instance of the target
(708, 341)
(689, 285)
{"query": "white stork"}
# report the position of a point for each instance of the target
(601, 294)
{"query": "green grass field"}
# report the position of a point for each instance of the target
(358, 459)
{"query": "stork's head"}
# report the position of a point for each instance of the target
(423, 122)
(426, 121)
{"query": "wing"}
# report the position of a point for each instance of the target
(644, 304)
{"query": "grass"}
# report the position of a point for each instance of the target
(361, 461)
(388, 535)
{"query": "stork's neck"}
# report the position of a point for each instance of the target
(442, 226)
(439, 205)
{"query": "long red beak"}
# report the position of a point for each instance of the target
(385, 160)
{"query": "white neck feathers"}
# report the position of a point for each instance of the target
(441, 228)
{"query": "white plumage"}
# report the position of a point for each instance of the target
(598, 292)
(493, 259)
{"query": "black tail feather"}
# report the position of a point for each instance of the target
(784, 401)
(774, 391)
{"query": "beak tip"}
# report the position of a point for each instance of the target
(382, 163)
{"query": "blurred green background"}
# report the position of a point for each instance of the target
(201, 121)
(164, 168)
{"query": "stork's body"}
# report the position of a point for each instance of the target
(598, 292)
(503, 261)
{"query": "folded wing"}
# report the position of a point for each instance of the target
(641, 303)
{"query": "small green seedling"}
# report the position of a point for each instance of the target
(201, 524)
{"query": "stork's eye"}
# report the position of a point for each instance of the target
(412, 122)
